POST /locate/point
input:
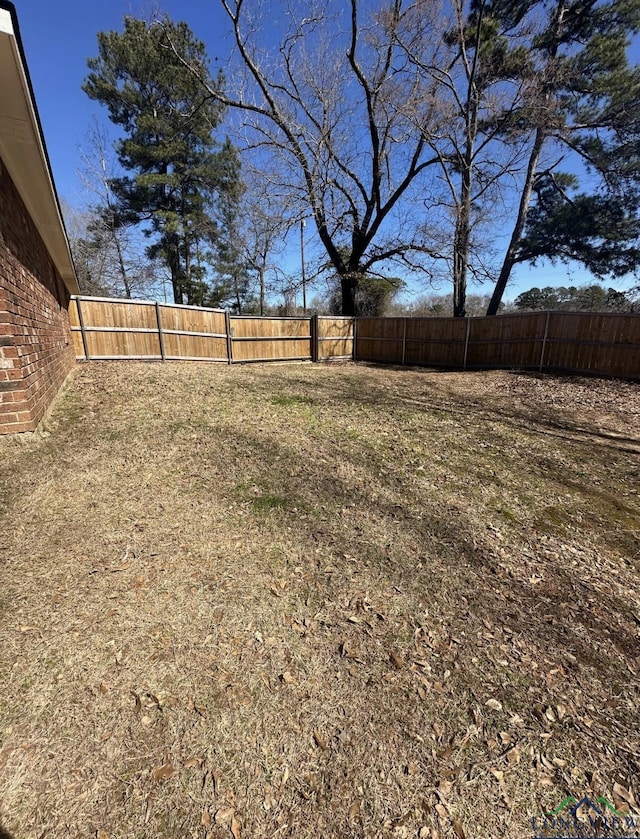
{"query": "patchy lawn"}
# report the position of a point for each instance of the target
(312, 601)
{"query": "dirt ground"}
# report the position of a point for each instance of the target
(318, 601)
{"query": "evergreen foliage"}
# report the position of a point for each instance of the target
(176, 169)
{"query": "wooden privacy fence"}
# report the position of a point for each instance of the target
(107, 329)
(580, 342)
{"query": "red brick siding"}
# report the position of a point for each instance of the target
(36, 352)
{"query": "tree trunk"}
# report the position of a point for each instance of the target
(521, 220)
(461, 250)
(463, 225)
(532, 168)
(236, 287)
(173, 260)
(347, 288)
(121, 266)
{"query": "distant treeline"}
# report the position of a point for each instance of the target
(587, 298)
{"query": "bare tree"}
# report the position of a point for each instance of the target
(337, 102)
(267, 218)
(480, 82)
(111, 249)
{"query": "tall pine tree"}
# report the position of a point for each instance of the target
(176, 169)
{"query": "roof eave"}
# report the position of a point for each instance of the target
(23, 150)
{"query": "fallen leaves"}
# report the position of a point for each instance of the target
(163, 772)
(459, 615)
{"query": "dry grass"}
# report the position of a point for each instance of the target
(309, 601)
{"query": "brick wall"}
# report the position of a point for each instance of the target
(36, 352)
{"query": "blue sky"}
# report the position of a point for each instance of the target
(58, 38)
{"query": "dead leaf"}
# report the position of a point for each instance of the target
(102, 834)
(191, 762)
(513, 755)
(354, 810)
(162, 772)
(457, 826)
(205, 818)
(138, 705)
(396, 660)
(442, 812)
(285, 777)
(625, 795)
(493, 704)
(215, 780)
(320, 740)
(235, 828)
(224, 815)
(154, 699)
(104, 688)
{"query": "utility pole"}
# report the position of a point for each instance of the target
(303, 224)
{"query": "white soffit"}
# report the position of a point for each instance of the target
(23, 152)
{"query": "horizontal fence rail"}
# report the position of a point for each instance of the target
(578, 342)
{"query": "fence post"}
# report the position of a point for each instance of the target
(227, 324)
(466, 344)
(544, 341)
(160, 333)
(354, 354)
(82, 331)
(404, 340)
(313, 330)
